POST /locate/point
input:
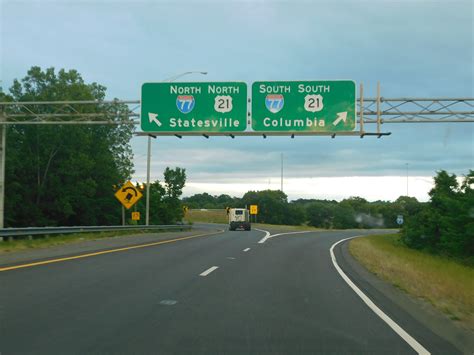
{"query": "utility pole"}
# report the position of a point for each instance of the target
(281, 182)
(148, 158)
(3, 145)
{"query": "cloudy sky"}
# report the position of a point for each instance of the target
(414, 48)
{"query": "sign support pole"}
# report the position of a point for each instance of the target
(361, 119)
(378, 106)
(123, 216)
(148, 162)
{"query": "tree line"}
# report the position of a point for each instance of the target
(443, 225)
(274, 208)
(63, 175)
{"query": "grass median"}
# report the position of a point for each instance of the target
(220, 216)
(446, 283)
(207, 216)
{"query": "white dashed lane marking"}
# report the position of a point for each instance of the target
(208, 271)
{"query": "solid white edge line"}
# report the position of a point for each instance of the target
(246, 250)
(396, 328)
(268, 236)
(208, 271)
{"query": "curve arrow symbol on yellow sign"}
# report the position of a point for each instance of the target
(128, 195)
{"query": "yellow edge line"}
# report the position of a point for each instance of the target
(104, 252)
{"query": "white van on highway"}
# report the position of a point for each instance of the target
(239, 218)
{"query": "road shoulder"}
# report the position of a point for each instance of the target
(92, 246)
(391, 299)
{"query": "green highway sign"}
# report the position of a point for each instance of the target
(194, 107)
(295, 106)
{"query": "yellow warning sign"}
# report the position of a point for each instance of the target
(135, 216)
(128, 195)
(253, 209)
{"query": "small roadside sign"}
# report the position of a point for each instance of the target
(400, 219)
(128, 195)
(253, 209)
(135, 216)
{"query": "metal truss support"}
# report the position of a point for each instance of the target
(418, 110)
(114, 112)
(379, 110)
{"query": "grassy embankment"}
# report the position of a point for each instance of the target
(206, 216)
(60, 239)
(446, 283)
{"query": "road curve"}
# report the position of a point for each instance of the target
(226, 294)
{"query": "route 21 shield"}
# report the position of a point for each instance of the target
(274, 103)
(185, 103)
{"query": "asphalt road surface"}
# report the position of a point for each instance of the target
(220, 294)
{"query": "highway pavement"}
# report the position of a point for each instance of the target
(228, 293)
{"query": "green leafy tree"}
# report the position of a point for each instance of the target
(272, 205)
(446, 224)
(175, 180)
(466, 219)
(321, 214)
(295, 215)
(203, 200)
(206, 200)
(63, 174)
(165, 206)
(158, 213)
(344, 217)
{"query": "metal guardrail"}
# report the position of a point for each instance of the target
(19, 233)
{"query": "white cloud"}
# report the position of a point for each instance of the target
(336, 188)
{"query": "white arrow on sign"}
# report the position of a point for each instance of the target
(341, 116)
(153, 118)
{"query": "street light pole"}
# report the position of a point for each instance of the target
(175, 77)
(407, 177)
(148, 158)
